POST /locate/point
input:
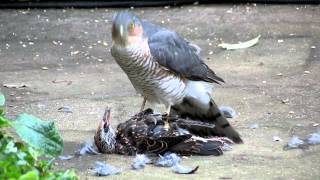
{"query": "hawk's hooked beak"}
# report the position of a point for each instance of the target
(126, 29)
(119, 36)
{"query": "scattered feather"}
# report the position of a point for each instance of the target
(285, 101)
(291, 112)
(74, 53)
(140, 161)
(179, 169)
(276, 139)
(315, 124)
(254, 126)
(168, 160)
(65, 109)
(103, 169)
(240, 45)
(67, 157)
(314, 138)
(228, 112)
(225, 177)
(56, 81)
(87, 148)
(295, 142)
(15, 85)
(280, 40)
(226, 147)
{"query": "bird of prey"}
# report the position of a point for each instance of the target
(165, 68)
(145, 132)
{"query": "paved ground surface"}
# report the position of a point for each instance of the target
(63, 58)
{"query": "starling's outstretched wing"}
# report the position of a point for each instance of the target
(183, 143)
(160, 145)
(179, 56)
(196, 127)
(199, 146)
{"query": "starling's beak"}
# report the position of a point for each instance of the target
(105, 137)
(106, 120)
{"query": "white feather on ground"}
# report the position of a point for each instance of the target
(140, 161)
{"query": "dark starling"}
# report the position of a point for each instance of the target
(146, 132)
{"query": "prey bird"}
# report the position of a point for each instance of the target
(165, 68)
(145, 132)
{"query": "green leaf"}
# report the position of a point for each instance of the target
(42, 135)
(3, 121)
(2, 104)
(31, 175)
(63, 175)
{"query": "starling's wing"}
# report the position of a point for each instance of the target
(179, 56)
(196, 127)
(160, 145)
(145, 132)
(128, 133)
(198, 146)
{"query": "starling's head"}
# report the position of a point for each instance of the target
(126, 29)
(105, 137)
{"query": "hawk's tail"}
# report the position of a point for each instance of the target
(223, 127)
(198, 104)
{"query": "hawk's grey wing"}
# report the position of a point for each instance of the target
(151, 29)
(178, 55)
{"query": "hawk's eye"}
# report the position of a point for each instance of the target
(131, 26)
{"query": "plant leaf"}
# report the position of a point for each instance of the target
(42, 135)
(31, 175)
(2, 104)
(241, 45)
(3, 121)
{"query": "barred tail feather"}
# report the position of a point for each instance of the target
(223, 127)
(198, 104)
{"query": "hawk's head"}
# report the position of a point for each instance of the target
(126, 29)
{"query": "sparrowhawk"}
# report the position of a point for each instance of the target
(165, 68)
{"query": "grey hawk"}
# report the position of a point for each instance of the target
(165, 68)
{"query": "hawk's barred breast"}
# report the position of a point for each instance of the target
(150, 79)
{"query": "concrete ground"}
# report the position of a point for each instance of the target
(63, 58)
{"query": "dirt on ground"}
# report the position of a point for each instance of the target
(62, 56)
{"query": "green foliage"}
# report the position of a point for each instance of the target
(20, 160)
(39, 134)
(3, 122)
(2, 104)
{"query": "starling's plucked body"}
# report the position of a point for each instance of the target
(145, 133)
(165, 68)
